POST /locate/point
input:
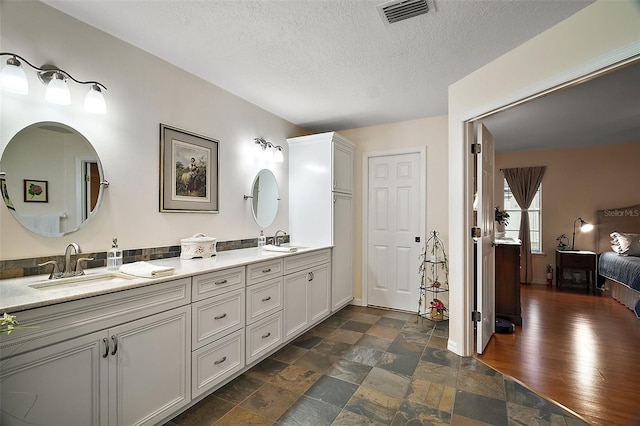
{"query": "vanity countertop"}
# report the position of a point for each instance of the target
(17, 295)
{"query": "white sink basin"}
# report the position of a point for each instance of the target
(91, 278)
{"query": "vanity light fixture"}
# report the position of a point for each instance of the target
(14, 79)
(268, 151)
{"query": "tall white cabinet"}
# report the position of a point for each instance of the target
(321, 204)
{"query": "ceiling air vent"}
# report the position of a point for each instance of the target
(398, 10)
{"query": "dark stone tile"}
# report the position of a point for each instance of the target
(401, 346)
(349, 371)
(480, 408)
(334, 350)
(309, 411)
(333, 322)
(295, 379)
(314, 361)
(387, 382)
(436, 373)
(347, 418)
(360, 327)
(373, 404)
(266, 369)
(374, 342)
(398, 363)
(239, 389)
(307, 341)
(418, 326)
(411, 413)
(206, 412)
(437, 342)
(366, 317)
(405, 316)
(241, 416)
(344, 335)
(420, 339)
(518, 394)
(332, 391)
(270, 401)
(391, 322)
(441, 356)
(289, 354)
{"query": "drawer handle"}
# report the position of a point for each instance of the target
(220, 282)
(266, 299)
(115, 345)
(220, 316)
(106, 347)
(264, 271)
(220, 361)
(311, 276)
(266, 335)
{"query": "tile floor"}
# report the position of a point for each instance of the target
(367, 366)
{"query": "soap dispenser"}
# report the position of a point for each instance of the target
(262, 241)
(114, 256)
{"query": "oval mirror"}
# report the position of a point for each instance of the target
(265, 198)
(50, 179)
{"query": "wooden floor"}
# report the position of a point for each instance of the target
(578, 350)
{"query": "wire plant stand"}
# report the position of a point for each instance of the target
(434, 282)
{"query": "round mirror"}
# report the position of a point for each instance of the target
(265, 198)
(50, 179)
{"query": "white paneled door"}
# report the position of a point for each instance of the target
(395, 217)
(486, 251)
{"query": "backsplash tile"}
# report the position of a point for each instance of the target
(29, 266)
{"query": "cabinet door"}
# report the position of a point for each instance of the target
(295, 303)
(342, 167)
(149, 374)
(342, 258)
(62, 384)
(318, 293)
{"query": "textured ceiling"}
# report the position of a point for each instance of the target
(326, 64)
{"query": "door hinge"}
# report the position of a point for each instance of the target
(476, 316)
(476, 148)
(476, 232)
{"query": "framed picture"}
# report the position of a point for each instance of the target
(188, 172)
(5, 194)
(36, 191)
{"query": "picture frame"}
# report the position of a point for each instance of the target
(5, 194)
(36, 191)
(189, 172)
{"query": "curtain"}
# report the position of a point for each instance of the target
(524, 183)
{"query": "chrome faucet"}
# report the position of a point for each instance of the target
(278, 239)
(68, 271)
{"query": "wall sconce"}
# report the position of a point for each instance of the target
(268, 151)
(14, 80)
(584, 227)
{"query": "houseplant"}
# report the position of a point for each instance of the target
(502, 219)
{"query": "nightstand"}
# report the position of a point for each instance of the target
(576, 268)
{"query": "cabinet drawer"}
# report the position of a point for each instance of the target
(259, 272)
(217, 316)
(263, 336)
(299, 262)
(215, 362)
(264, 299)
(586, 261)
(218, 282)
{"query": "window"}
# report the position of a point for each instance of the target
(535, 217)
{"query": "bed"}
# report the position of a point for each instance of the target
(619, 275)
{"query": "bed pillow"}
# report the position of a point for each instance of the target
(625, 244)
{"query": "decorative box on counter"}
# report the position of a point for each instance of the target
(197, 246)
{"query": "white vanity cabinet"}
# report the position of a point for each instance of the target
(321, 211)
(307, 291)
(217, 333)
(264, 308)
(106, 377)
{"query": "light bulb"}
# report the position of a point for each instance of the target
(13, 79)
(278, 157)
(586, 227)
(94, 102)
(57, 90)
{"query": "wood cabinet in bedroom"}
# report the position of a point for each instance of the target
(508, 282)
